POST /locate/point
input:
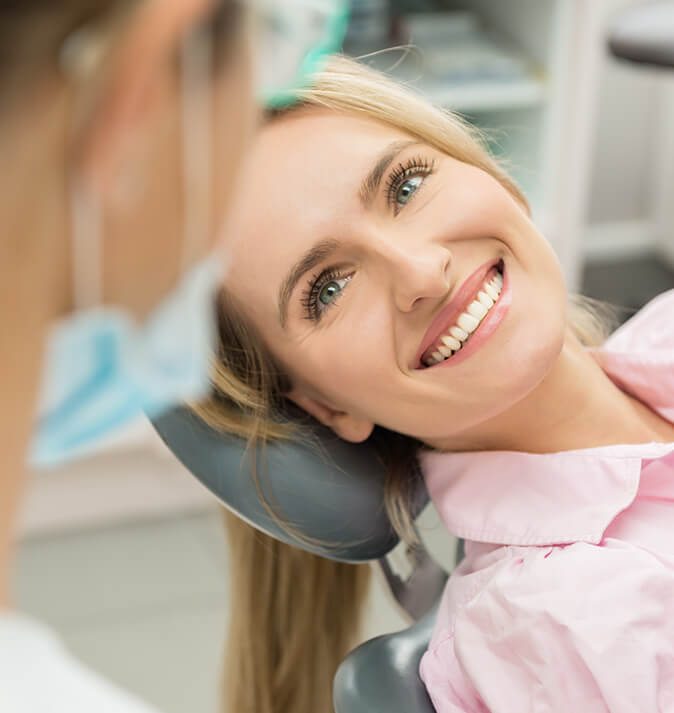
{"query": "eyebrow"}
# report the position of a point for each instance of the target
(312, 257)
(323, 249)
(370, 185)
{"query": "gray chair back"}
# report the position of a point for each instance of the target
(332, 492)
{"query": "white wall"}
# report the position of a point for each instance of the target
(633, 145)
(621, 178)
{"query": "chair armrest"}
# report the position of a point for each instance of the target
(382, 675)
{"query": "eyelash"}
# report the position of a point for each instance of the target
(314, 286)
(413, 167)
(417, 166)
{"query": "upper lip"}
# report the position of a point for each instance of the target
(451, 311)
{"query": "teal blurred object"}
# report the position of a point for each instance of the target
(295, 37)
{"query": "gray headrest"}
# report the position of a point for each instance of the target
(332, 493)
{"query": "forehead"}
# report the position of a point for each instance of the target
(300, 185)
(309, 164)
(328, 137)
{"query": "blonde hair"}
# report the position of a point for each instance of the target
(288, 604)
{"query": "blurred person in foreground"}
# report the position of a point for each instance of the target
(122, 127)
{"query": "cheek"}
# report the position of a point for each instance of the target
(535, 329)
(529, 357)
(351, 365)
(476, 199)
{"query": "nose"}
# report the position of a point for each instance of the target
(417, 273)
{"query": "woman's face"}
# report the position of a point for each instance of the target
(359, 248)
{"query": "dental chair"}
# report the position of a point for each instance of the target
(333, 493)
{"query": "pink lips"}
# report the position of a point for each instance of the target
(450, 313)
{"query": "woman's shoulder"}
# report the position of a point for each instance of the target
(597, 611)
(541, 578)
(650, 327)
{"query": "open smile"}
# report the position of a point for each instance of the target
(459, 321)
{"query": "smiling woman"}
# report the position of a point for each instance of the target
(384, 221)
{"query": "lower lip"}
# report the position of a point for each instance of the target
(486, 327)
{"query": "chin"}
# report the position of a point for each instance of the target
(534, 354)
(498, 376)
(519, 363)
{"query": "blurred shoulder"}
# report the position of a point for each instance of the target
(651, 326)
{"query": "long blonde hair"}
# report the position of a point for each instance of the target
(294, 615)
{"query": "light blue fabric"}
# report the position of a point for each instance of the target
(103, 369)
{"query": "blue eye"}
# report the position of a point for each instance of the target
(405, 180)
(329, 292)
(323, 292)
(408, 189)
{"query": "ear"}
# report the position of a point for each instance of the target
(139, 72)
(345, 425)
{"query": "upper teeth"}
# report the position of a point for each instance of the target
(467, 322)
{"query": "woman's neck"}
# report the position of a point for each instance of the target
(576, 406)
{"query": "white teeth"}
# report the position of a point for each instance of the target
(467, 322)
(476, 309)
(485, 299)
(459, 333)
(451, 342)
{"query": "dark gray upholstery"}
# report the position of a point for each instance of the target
(328, 489)
(645, 34)
(334, 492)
(381, 675)
(418, 590)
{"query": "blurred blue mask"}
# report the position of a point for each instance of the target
(103, 369)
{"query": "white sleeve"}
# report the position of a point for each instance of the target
(38, 675)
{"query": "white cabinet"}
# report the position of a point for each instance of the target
(134, 477)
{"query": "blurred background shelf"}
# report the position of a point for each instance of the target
(454, 57)
(463, 96)
(486, 96)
